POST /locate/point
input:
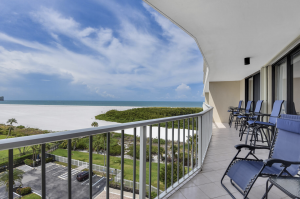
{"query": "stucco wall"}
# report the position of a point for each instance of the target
(221, 96)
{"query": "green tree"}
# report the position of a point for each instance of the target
(10, 122)
(34, 148)
(74, 142)
(95, 124)
(17, 177)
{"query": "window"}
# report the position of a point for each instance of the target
(281, 83)
(286, 81)
(250, 89)
(296, 83)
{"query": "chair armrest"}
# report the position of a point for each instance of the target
(240, 146)
(285, 163)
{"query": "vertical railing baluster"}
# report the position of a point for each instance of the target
(69, 169)
(150, 159)
(10, 173)
(172, 170)
(188, 158)
(183, 146)
(201, 140)
(134, 162)
(91, 167)
(166, 154)
(192, 161)
(158, 158)
(107, 164)
(178, 150)
(197, 141)
(43, 171)
(122, 164)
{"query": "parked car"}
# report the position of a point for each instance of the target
(83, 176)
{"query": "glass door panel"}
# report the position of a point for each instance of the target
(281, 83)
(296, 83)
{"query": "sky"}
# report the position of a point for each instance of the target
(95, 50)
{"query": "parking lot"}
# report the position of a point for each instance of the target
(56, 182)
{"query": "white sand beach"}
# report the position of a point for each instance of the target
(62, 117)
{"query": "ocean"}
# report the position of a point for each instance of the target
(107, 103)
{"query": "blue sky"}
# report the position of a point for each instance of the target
(95, 50)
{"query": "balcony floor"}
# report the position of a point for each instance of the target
(207, 184)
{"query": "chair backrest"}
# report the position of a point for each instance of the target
(286, 145)
(276, 111)
(248, 107)
(258, 106)
(240, 104)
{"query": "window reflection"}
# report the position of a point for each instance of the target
(281, 84)
(296, 83)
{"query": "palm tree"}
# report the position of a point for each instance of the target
(17, 177)
(74, 142)
(95, 124)
(10, 122)
(34, 148)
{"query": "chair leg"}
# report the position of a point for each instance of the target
(267, 190)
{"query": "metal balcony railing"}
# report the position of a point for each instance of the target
(198, 139)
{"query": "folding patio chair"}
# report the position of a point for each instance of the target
(242, 115)
(234, 111)
(251, 116)
(284, 159)
(258, 126)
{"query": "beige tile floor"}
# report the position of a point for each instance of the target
(207, 184)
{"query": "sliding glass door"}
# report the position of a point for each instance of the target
(281, 83)
(253, 89)
(296, 83)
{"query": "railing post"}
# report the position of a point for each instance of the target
(199, 141)
(10, 173)
(143, 145)
(43, 171)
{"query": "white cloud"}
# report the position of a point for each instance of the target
(182, 88)
(137, 58)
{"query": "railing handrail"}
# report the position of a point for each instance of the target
(64, 135)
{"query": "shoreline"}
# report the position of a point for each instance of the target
(55, 117)
(69, 117)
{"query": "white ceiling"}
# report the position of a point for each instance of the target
(227, 31)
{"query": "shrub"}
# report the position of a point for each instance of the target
(155, 140)
(115, 150)
(169, 170)
(17, 160)
(24, 191)
(49, 160)
(28, 162)
(21, 127)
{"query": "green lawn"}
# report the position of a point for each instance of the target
(31, 196)
(128, 165)
(4, 153)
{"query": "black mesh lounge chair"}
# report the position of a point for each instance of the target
(284, 159)
(243, 115)
(234, 111)
(255, 116)
(259, 127)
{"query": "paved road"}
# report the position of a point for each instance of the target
(57, 184)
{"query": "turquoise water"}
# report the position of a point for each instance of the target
(107, 103)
